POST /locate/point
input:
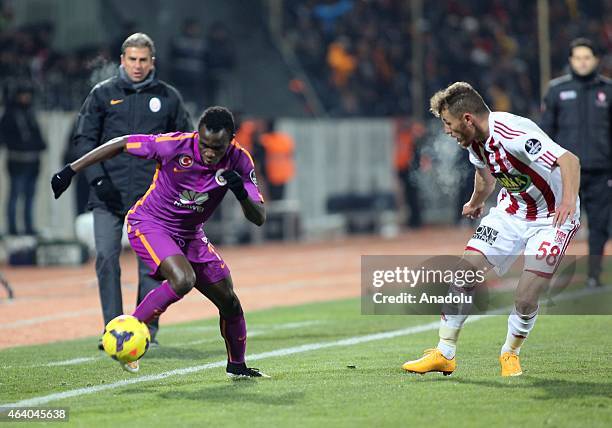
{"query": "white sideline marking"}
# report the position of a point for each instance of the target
(252, 332)
(61, 315)
(37, 401)
(70, 362)
(290, 325)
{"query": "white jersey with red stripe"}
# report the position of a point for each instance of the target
(523, 159)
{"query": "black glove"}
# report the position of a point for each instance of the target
(108, 193)
(235, 184)
(61, 180)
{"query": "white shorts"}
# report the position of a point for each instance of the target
(502, 237)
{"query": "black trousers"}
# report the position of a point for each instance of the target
(108, 229)
(276, 192)
(412, 197)
(596, 197)
(22, 179)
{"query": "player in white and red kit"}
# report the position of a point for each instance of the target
(165, 226)
(537, 213)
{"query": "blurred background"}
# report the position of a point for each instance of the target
(342, 86)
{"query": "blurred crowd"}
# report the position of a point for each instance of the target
(27, 57)
(62, 79)
(358, 52)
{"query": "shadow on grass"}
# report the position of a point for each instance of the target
(235, 392)
(184, 353)
(546, 389)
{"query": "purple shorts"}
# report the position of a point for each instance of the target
(154, 244)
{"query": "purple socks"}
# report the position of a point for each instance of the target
(156, 302)
(233, 329)
(234, 332)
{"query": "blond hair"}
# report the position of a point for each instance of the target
(458, 98)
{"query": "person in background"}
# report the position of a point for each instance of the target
(188, 61)
(577, 115)
(274, 151)
(133, 101)
(20, 132)
(406, 165)
(220, 60)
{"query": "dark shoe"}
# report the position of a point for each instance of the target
(241, 371)
(593, 282)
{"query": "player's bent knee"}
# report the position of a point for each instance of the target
(230, 305)
(526, 306)
(475, 260)
(178, 271)
(184, 282)
(235, 308)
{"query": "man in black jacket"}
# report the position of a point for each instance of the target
(133, 102)
(577, 115)
(20, 132)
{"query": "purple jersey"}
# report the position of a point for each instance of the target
(185, 192)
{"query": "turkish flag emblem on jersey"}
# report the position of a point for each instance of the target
(185, 161)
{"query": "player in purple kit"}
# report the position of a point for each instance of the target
(194, 171)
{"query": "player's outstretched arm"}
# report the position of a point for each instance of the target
(254, 211)
(61, 180)
(570, 177)
(484, 184)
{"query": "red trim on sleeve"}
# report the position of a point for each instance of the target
(508, 129)
(503, 134)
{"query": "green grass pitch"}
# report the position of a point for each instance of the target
(566, 382)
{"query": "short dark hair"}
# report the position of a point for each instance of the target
(217, 118)
(458, 98)
(582, 42)
(138, 40)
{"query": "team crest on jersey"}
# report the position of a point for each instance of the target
(513, 183)
(185, 161)
(219, 178)
(533, 146)
(602, 100)
(253, 177)
(155, 104)
(486, 234)
(560, 237)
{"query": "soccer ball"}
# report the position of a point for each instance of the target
(126, 339)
